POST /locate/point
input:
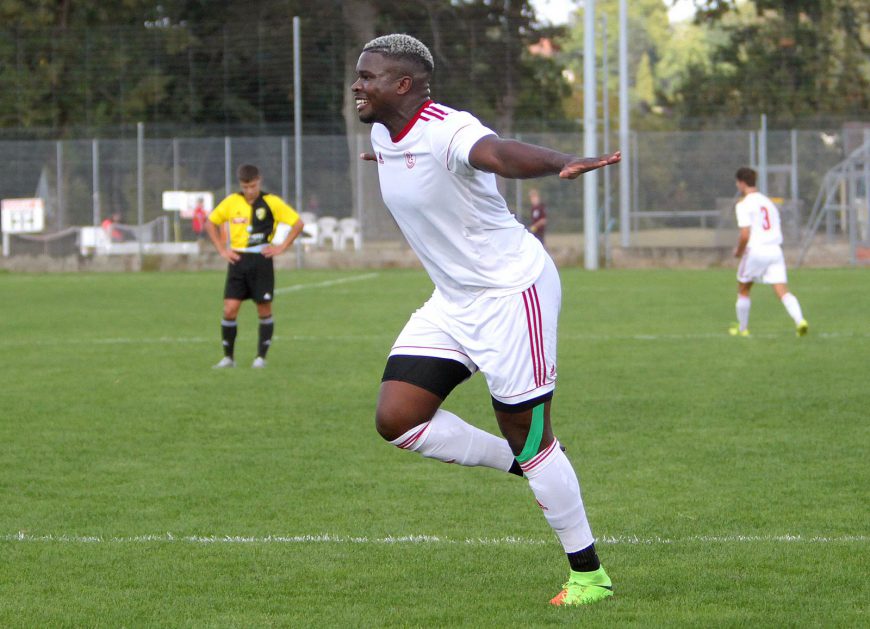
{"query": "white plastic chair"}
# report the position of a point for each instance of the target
(310, 231)
(93, 240)
(349, 231)
(326, 230)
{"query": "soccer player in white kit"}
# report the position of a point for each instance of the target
(760, 252)
(496, 300)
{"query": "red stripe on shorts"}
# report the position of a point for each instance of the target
(533, 337)
(540, 331)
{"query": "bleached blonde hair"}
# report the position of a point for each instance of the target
(401, 46)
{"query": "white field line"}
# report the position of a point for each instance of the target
(326, 538)
(704, 335)
(349, 338)
(326, 283)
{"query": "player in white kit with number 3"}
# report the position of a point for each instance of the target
(760, 252)
(496, 300)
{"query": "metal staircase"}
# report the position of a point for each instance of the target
(843, 202)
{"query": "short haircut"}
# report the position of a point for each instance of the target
(747, 176)
(247, 173)
(404, 47)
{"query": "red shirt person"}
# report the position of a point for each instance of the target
(537, 215)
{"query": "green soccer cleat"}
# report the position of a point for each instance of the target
(584, 588)
(735, 330)
(802, 328)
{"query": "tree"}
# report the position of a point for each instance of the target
(790, 59)
(649, 41)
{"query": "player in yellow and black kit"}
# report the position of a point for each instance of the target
(252, 217)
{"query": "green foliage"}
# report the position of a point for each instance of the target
(94, 65)
(790, 60)
(206, 63)
(715, 470)
(649, 40)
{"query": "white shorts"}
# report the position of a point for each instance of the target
(511, 339)
(763, 264)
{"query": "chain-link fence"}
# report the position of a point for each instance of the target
(682, 183)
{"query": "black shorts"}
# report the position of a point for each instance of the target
(252, 277)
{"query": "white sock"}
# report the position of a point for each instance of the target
(448, 438)
(557, 490)
(743, 305)
(793, 307)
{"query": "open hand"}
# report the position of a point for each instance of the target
(581, 165)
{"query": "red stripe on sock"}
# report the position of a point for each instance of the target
(407, 443)
(539, 457)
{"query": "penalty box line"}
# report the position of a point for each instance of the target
(326, 538)
(326, 283)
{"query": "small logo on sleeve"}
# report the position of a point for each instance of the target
(380, 158)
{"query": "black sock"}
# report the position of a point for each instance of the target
(267, 326)
(228, 334)
(585, 560)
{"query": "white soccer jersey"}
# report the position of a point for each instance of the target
(452, 214)
(758, 212)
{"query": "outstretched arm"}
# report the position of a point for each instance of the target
(518, 160)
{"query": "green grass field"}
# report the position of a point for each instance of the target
(726, 479)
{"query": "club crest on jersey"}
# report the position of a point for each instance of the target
(380, 158)
(261, 213)
(410, 160)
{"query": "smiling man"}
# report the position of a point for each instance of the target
(496, 300)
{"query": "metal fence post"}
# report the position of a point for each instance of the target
(762, 155)
(60, 209)
(228, 166)
(95, 179)
(140, 184)
(590, 140)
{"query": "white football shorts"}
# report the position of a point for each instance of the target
(511, 339)
(764, 264)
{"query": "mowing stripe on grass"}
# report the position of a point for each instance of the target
(326, 538)
(344, 280)
(171, 340)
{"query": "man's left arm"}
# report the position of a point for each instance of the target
(273, 250)
(517, 160)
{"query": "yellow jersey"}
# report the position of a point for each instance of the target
(252, 226)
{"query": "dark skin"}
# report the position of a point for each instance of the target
(390, 92)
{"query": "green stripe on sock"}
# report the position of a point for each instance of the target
(536, 433)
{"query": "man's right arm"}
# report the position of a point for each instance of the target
(742, 242)
(227, 254)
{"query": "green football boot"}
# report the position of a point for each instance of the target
(735, 330)
(584, 588)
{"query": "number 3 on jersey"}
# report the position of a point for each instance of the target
(765, 221)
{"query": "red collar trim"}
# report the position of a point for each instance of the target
(411, 122)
